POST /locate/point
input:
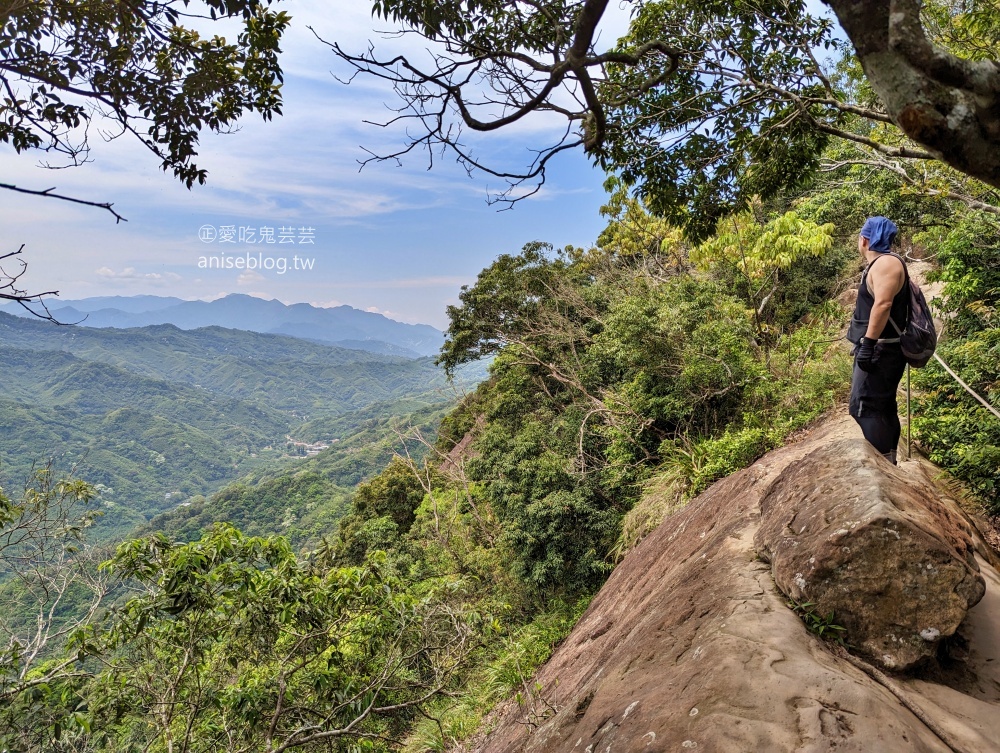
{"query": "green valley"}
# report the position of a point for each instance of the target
(157, 415)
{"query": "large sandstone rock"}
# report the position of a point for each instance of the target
(691, 647)
(852, 534)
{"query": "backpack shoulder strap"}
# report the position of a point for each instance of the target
(906, 287)
(906, 270)
(864, 275)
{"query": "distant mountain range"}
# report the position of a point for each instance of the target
(344, 326)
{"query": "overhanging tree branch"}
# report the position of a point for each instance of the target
(700, 106)
(923, 187)
(47, 192)
(65, 65)
(948, 104)
(484, 77)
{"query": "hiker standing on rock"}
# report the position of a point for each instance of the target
(878, 359)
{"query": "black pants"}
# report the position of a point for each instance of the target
(873, 398)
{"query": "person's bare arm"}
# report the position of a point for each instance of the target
(885, 280)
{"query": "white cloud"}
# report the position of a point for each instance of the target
(544, 193)
(305, 162)
(426, 232)
(384, 312)
(250, 278)
(132, 275)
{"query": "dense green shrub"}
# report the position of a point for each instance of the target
(957, 432)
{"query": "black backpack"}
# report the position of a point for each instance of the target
(919, 338)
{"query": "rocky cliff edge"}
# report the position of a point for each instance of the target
(692, 644)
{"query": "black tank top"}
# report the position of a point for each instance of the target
(899, 313)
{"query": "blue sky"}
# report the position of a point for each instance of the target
(397, 240)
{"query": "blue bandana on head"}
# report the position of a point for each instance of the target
(880, 232)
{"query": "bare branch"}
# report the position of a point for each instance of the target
(489, 87)
(924, 187)
(47, 192)
(9, 291)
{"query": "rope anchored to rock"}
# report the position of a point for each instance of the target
(893, 687)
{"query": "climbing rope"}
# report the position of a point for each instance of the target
(966, 387)
(961, 383)
(903, 697)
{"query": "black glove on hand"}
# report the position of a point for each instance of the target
(866, 354)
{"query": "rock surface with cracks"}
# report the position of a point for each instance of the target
(847, 532)
(690, 646)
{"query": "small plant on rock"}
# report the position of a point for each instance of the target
(817, 623)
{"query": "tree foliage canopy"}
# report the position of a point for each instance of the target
(625, 379)
(701, 106)
(234, 643)
(745, 113)
(138, 68)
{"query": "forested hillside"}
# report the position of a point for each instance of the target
(702, 328)
(305, 505)
(289, 373)
(155, 416)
